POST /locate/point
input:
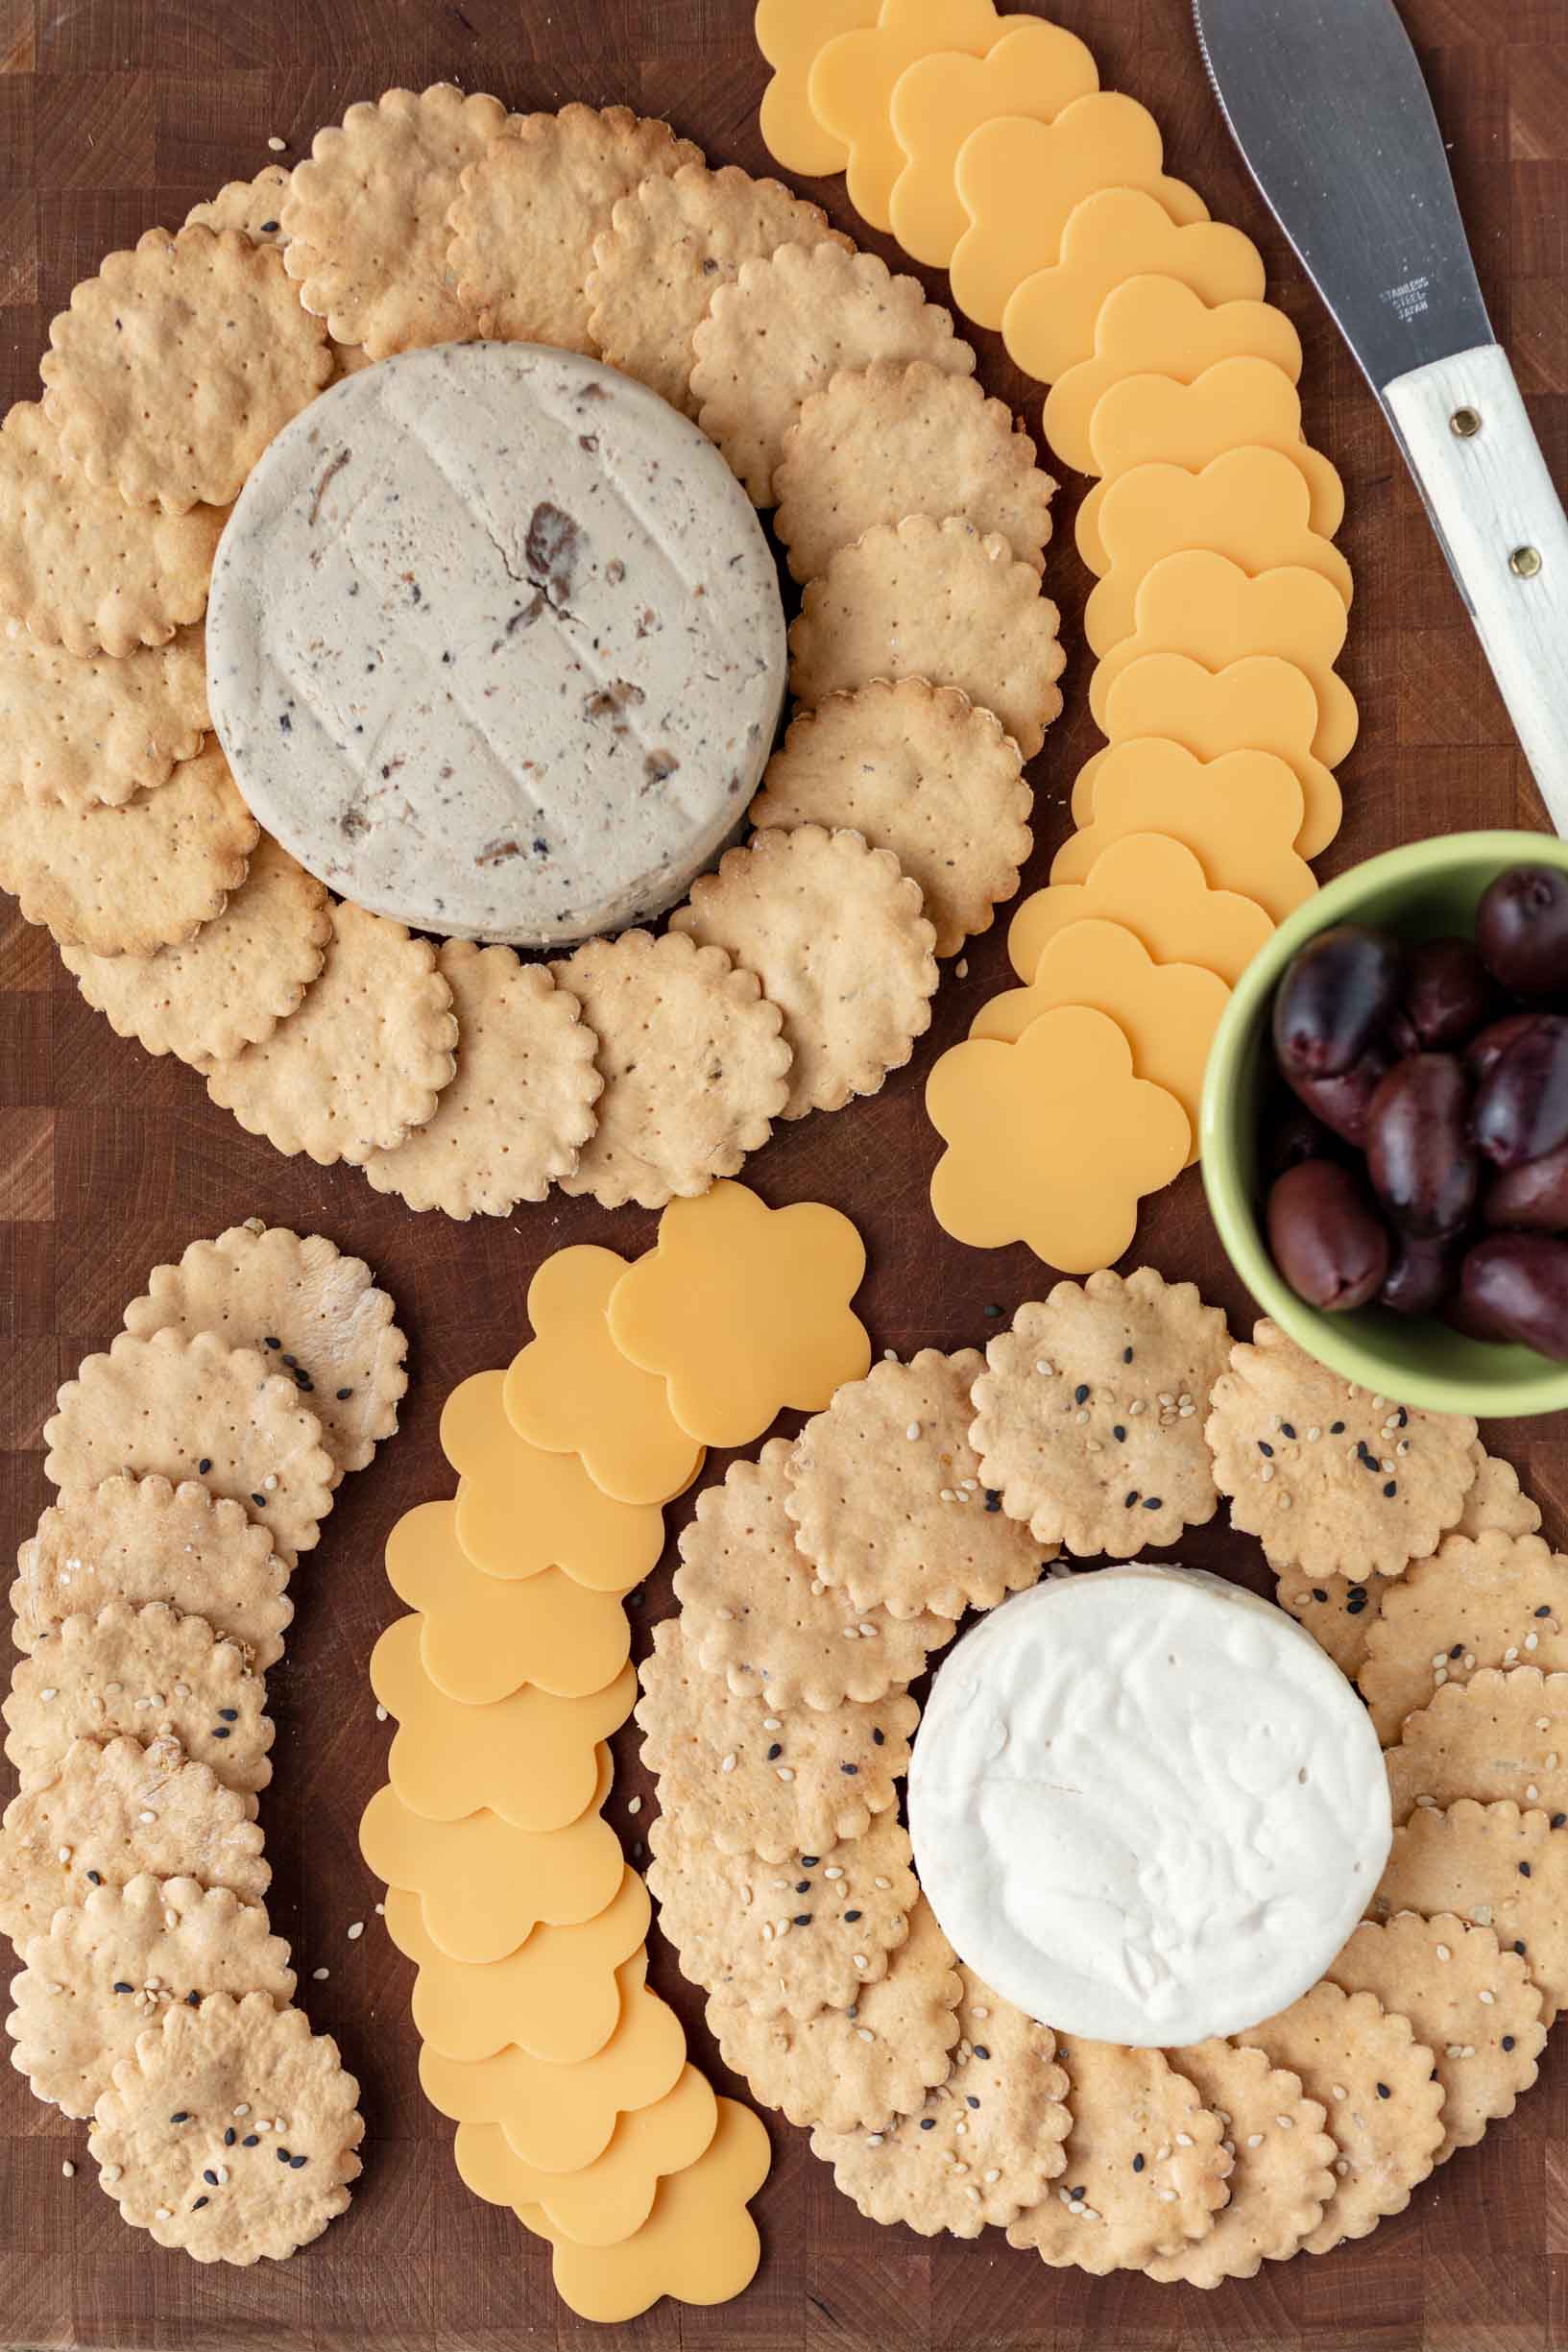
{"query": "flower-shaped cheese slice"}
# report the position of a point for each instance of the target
(602, 2202)
(520, 1510)
(1051, 1141)
(1157, 888)
(1239, 815)
(1035, 70)
(1019, 183)
(483, 1637)
(483, 1884)
(1117, 233)
(790, 34)
(573, 1392)
(744, 1311)
(1167, 1011)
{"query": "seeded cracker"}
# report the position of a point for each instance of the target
(143, 1540)
(693, 1063)
(833, 930)
(365, 217)
(177, 1408)
(747, 1777)
(934, 600)
(1503, 1733)
(1496, 1867)
(988, 2141)
(785, 328)
(1498, 1601)
(364, 1059)
(1471, 2003)
(162, 2134)
(81, 567)
(918, 770)
(309, 1312)
(144, 1673)
(523, 228)
(1339, 1611)
(848, 2070)
(1377, 2085)
(880, 442)
(128, 881)
(1111, 2213)
(79, 729)
(253, 205)
(795, 1936)
(755, 1611)
(108, 1968)
(112, 1813)
(1495, 1501)
(670, 245)
(1328, 1476)
(1283, 2172)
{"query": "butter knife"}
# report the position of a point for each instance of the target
(1327, 103)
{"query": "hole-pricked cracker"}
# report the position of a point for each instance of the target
(749, 1776)
(1339, 1611)
(1327, 1475)
(175, 1408)
(669, 246)
(1503, 1733)
(1495, 1600)
(755, 1609)
(363, 1060)
(230, 986)
(988, 2141)
(795, 1936)
(78, 730)
(255, 206)
(306, 1310)
(888, 1500)
(1110, 2212)
(1089, 1412)
(693, 1062)
(848, 2070)
(520, 1108)
(112, 1813)
(141, 1673)
(895, 439)
(1283, 2166)
(833, 930)
(785, 328)
(524, 225)
(128, 881)
(365, 217)
(920, 771)
(177, 364)
(108, 1970)
(1497, 1867)
(1378, 2087)
(1473, 2004)
(163, 2134)
(923, 598)
(141, 1539)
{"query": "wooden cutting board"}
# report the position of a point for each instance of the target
(116, 114)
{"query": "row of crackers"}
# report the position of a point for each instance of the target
(195, 1464)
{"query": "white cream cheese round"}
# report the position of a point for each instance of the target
(495, 645)
(1145, 1805)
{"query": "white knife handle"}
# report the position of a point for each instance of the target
(1478, 466)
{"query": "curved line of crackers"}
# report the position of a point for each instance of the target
(194, 1461)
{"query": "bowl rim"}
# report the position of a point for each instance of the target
(1331, 1341)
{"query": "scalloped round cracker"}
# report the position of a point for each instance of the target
(1282, 2174)
(84, 730)
(254, 206)
(1495, 1500)
(1497, 1867)
(1495, 1601)
(1503, 1733)
(1339, 1611)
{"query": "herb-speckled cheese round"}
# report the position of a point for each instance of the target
(495, 644)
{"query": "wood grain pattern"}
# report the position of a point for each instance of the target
(115, 115)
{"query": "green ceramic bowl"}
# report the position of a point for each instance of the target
(1431, 887)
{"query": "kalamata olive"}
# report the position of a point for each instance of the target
(1516, 1286)
(1449, 993)
(1419, 1155)
(1522, 930)
(1341, 1103)
(1521, 1108)
(1325, 1237)
(1291, 1134)
(1489, 1045)
(1425, 1270)
(1333, 999)
(1533, 1198)
(1462, 1313)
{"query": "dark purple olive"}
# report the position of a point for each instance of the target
(1521, 1108)
(1487, 1047)
(1449, 993)
(1522, 930)
(1462, 1313)
(1533, 1198)
(1516, 1287)
(1292, 1134)
(1343, 1102)
(1325, 1237)
(1419, 1155)
(1335, 999)
(1425, 1271)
